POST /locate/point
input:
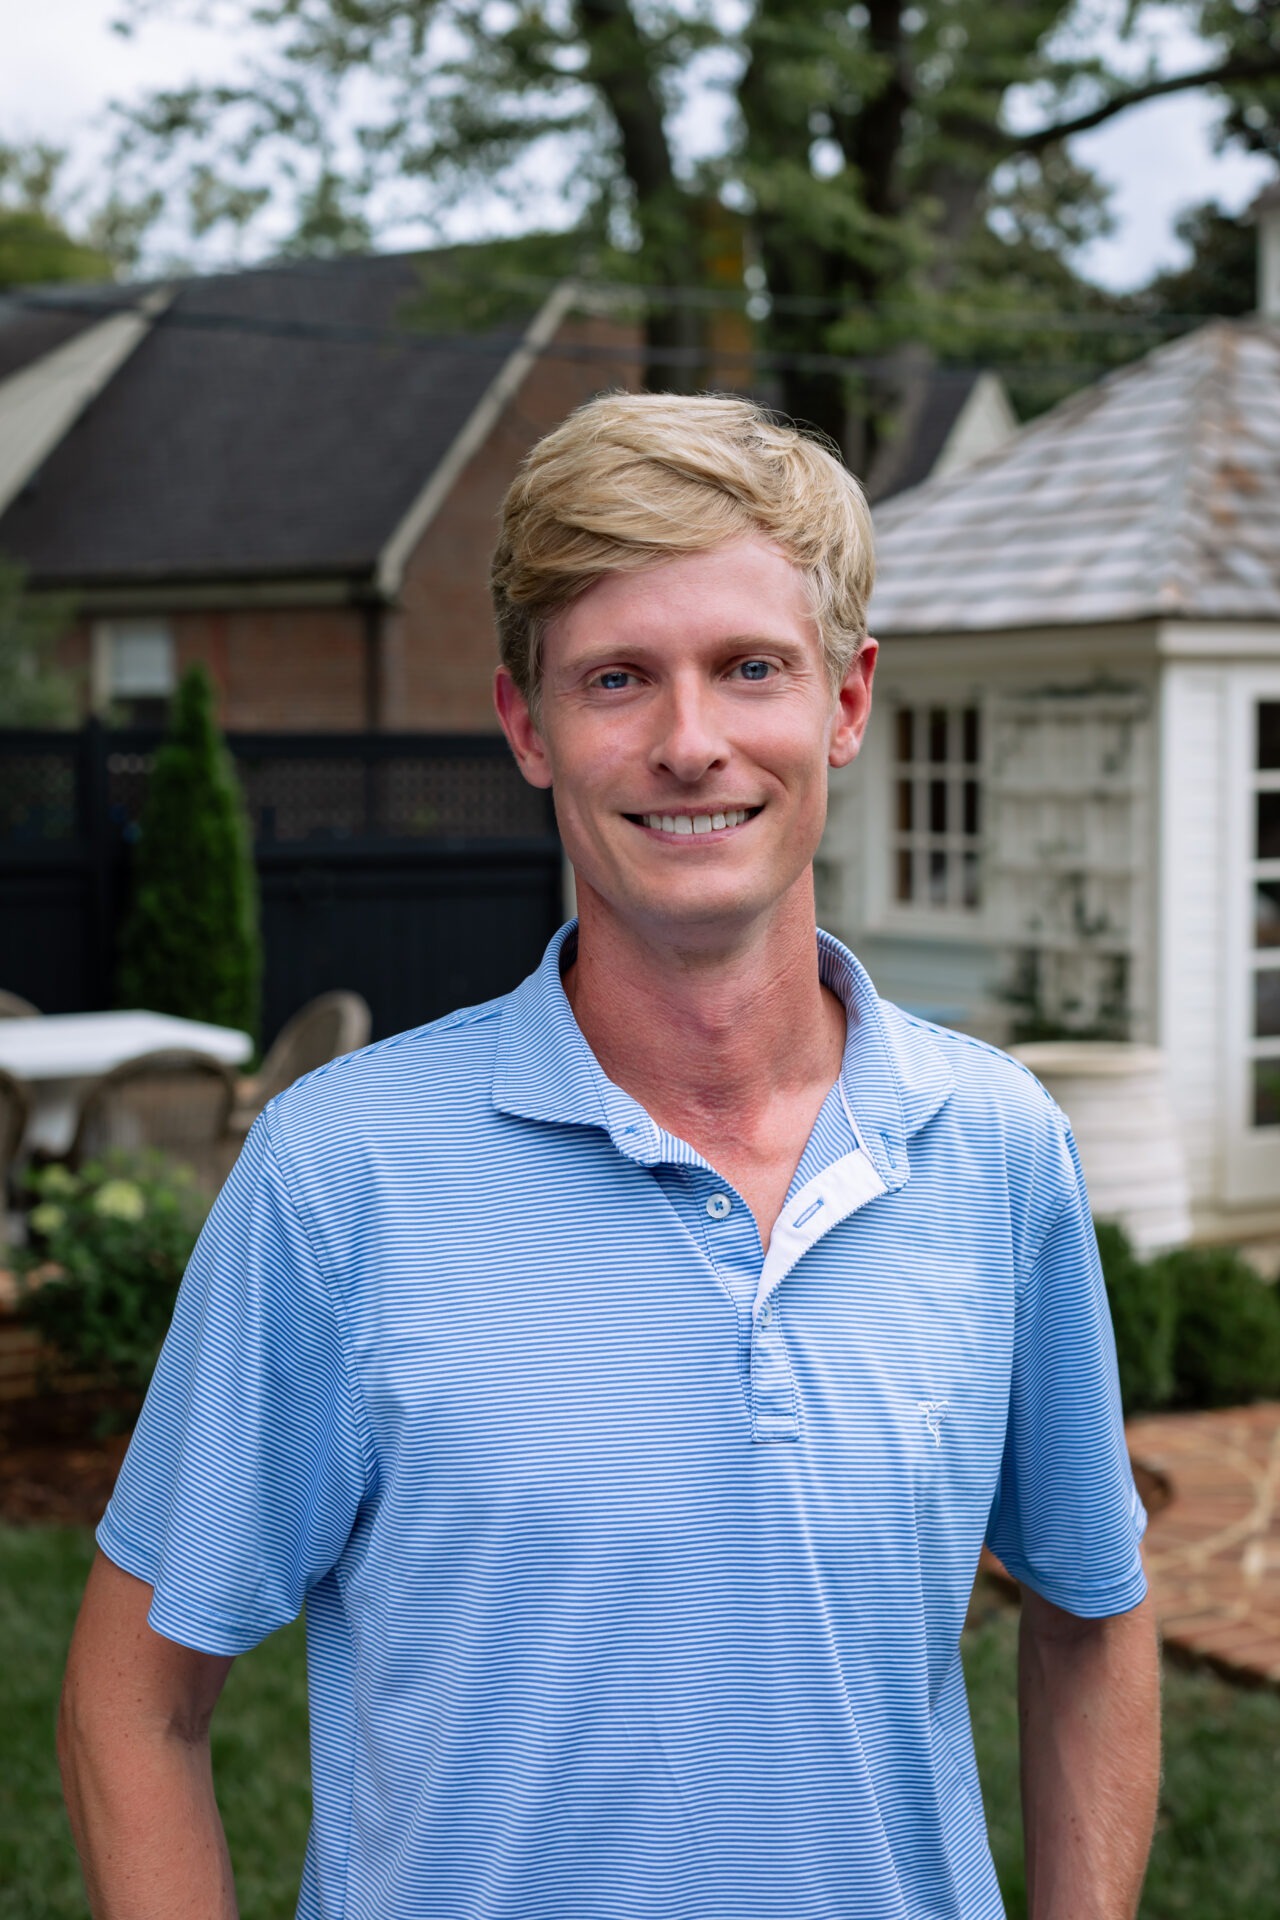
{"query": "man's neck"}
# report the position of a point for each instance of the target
(708, 1035)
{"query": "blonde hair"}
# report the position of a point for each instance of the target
(632, 479)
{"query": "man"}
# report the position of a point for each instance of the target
(626, 1373)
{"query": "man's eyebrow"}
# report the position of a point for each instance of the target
(623, 650)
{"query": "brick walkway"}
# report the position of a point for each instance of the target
(1214, 1552)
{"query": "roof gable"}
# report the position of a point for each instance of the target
(277, 423)
(1154, 493)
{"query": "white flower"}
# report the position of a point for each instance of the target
(46, 1218)
(119, 1200)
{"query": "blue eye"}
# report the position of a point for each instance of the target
(612, 680)
(755, 669)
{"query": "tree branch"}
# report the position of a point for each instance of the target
(1244, 67)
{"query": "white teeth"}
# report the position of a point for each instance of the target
(685, 823)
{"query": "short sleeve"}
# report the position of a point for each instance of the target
(251, 1459)
(1067, 1519)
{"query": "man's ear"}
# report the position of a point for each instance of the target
(517, 723)
(853, 705)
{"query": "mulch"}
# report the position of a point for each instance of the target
(59, 1457)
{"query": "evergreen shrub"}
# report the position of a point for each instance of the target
(1227, 1343)
(190, 943)
(1143, 1313)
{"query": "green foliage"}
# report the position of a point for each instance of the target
(1195, 1327)
(1221, 276)
(869, 152)
(108, 1248)
(190, 943)
(1143, 1306)
(34, 691)
(1227, 1348)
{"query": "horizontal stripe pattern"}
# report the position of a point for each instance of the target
(625, 1595)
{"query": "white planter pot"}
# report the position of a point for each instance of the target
(1118, 1104)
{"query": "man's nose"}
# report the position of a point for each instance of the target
(689, 742)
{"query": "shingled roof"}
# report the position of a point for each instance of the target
(273, 424)
(1154, 493)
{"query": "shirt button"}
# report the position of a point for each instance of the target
(719, 1206)
(766, 1314)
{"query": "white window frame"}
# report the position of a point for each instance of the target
(1251, 1172)
(919, 919)
(156, 681)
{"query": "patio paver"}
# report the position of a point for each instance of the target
(1213, 1553)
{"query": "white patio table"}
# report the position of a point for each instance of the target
(60, 1055)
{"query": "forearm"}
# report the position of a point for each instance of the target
(133, 1745)
(1090, 1757)
(145, 1822)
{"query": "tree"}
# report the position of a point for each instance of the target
(865, 145)
(34, 691)
(34, 246)
(1221, 277)
(37, 246)
(190, 944)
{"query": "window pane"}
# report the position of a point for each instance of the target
(969, 880)
(905, 717)
(1266, 1004)
(938, 735)
(1266, 914)
(971, 809)
(971, 744)
(937, 806)
(906, 811)
(1269, 826)
(1269, 735)
(904, 873)
(937, 879)
(1266, 1093)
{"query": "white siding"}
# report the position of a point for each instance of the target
(1192, 944)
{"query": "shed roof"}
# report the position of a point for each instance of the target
(273, 423)
(1154, 493)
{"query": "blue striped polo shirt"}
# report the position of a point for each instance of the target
(634, 1556)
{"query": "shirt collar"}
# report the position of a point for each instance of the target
(894, 1075)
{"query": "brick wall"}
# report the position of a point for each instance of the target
(439, 647)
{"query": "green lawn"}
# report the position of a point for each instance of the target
(1215, 1852)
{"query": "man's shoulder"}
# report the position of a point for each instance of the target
(994, 1102)
(440, 1064)
(978, 1068)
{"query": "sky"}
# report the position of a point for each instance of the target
(63, 66)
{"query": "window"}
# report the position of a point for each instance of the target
(133, 670)
(1264, 920)
(937, 808)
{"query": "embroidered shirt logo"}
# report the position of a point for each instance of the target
(933, 1411)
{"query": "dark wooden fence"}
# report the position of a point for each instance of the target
(418, 869)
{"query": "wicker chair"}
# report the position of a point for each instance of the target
(173, 1099)
(14, 1007)
(14, 1107)
(328, 1026)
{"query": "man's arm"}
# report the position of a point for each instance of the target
(1089, 1717)
(133, 1744)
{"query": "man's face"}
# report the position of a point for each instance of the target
(686, 727)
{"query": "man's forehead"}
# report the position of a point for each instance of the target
(747, 590)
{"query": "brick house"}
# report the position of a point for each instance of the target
(277, 472)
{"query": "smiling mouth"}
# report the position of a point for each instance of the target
(695, 823)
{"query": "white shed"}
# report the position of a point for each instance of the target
(1067, 812)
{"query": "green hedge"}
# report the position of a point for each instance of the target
(1194, 1328)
